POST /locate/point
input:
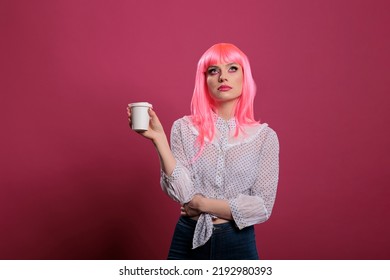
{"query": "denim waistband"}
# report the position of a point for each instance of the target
(227, 242)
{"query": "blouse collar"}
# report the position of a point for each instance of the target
(222, 124)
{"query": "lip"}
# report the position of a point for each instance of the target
(224, 88)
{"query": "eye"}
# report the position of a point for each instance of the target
(233, 69)
(212, 71)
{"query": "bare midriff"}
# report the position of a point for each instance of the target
(215, 220)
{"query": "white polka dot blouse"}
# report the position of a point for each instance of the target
(243, 170)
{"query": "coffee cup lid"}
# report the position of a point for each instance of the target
(141, 104)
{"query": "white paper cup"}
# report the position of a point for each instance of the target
(140, 115)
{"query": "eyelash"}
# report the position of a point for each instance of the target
(212, 71)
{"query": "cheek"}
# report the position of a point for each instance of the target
(210, 83)
(239, 81)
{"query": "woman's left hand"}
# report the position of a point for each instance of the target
(192, 208)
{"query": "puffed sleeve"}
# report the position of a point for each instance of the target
(179, 185)
(257, 207)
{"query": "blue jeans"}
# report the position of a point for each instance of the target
(226, 243)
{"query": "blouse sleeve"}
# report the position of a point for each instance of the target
(179, 185)
(257, 207)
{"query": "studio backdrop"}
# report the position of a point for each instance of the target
(76, 183)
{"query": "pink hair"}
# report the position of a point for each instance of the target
(202, 103)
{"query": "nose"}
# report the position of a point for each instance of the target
(222, 77)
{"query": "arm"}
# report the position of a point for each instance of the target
(200, 204)
(257, 207)
(167, 160)
(176, 179)
(157, 135)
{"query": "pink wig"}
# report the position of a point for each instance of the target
(202, 104)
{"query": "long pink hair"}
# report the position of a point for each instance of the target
(202, 104)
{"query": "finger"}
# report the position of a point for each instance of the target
(152, 114)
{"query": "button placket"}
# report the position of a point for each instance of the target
(220, 166)
(219, 179)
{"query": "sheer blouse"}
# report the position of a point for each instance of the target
(243, 170)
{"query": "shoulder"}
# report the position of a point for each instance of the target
(184, 124)
(185, 120)
(259, 130)
(271, 140)
(270, 131)
(264, 133)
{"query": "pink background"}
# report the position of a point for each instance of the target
(76, 183)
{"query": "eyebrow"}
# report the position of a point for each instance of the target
(229, 64)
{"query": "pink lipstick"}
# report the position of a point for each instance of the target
(224, 88)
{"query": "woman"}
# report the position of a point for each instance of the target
(222, 166)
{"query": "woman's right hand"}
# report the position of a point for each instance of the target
(155, 130)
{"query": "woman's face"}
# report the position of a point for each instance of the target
(224, 81)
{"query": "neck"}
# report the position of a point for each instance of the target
(225, 110)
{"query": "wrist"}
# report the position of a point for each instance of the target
(159, 139)
(201, 203)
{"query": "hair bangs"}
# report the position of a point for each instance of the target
(222, 53)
